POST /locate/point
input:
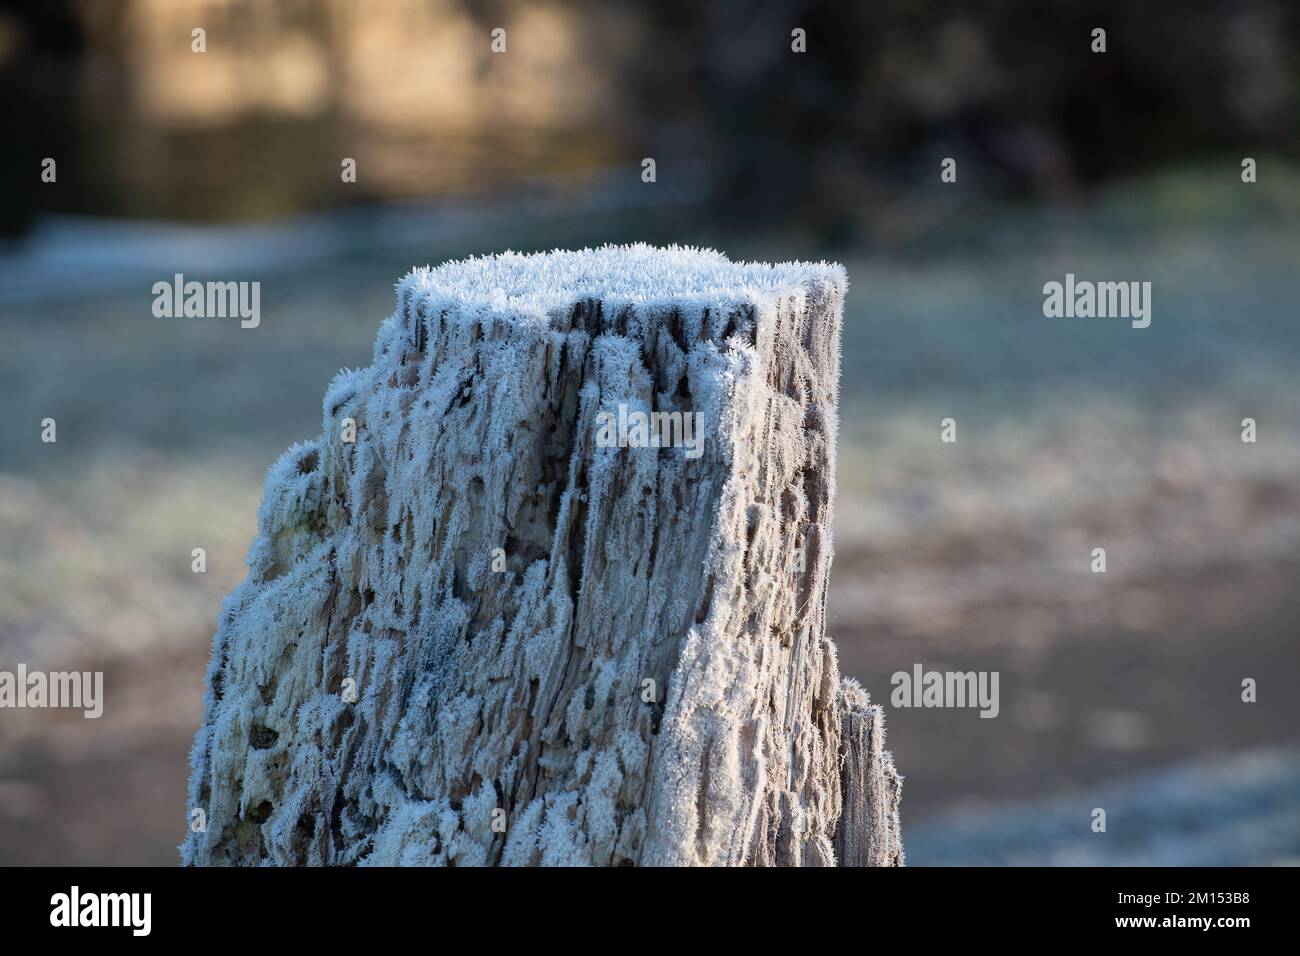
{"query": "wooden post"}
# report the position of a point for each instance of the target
(550, 587)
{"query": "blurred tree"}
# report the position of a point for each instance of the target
(888, 88)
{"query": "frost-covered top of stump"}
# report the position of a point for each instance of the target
(540, 285)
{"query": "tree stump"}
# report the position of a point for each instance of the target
(491, 619)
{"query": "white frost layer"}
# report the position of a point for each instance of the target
(682, 276)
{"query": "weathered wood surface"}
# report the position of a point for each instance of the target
(868, 833)
(640, 675)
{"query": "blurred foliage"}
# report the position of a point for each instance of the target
(1012, 88)
(830, 139)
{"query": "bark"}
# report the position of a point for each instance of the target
(475, 635)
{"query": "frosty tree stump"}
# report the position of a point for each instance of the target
(550, 587)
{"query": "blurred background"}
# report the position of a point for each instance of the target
(1119, 690)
